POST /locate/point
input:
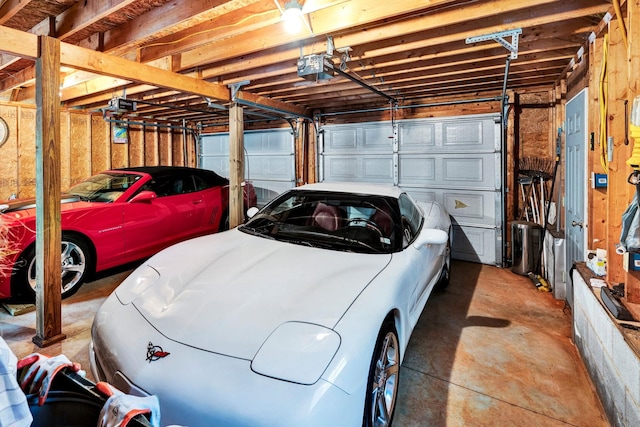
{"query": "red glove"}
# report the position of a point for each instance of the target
(41, 371)
(120, 408)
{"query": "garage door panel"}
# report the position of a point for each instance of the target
(268, 142)
(464, 134)
(474, 208)
(263, 168)
(473, 135)
(417, 170)
(271, 167)
(269, 161)
(267, 190)
(449, 171)
(217, 144)
(359, 168)
(340, 140)
(463, 169)
(456, 161)
(424, 194)
(417, 137)
(475, 244)
(468, 207)
(361, 139)
(219, 164)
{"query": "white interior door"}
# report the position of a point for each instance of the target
(576, 177)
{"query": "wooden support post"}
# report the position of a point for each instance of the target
(619, 191)
(236, 165)
(48, 231)
(597, 232)
(632, 286)
(312, 155)
(300, 143)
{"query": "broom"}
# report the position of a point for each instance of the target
(531, 171)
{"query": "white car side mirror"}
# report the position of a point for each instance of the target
(431, 237)
(252, 211)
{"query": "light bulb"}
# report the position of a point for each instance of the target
(292, 16)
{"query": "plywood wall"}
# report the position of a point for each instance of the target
(606, 205)
(86, 148)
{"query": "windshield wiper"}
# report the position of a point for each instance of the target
(81, 197)
(348, 241)
(257, 231)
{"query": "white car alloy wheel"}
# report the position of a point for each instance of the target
(383, 378)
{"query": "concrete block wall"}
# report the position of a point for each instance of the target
(613, 365)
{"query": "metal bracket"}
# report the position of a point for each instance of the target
(499, 37)
(294, 127)
(235, 87)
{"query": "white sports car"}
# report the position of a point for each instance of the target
(300, 317)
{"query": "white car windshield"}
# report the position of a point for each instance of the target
(338, 221)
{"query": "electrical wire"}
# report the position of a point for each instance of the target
(602, 103)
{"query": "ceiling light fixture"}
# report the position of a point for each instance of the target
(292, 16)
(292, 9)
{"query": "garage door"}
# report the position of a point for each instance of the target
(454, 160)
(269, 163)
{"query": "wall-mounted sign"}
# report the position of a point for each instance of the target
(120, 135)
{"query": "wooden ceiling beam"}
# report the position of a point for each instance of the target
(18, 43)
(163, 20)
(168, 19)
(10, 8)
(85, 14)
(409, 55)
(460, 60)
(326, 21)
(454, 55)
(109, 65)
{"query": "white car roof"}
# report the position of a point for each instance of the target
(355, 187)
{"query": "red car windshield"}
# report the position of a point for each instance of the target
(104, 187)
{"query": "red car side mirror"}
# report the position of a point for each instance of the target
(143, 196)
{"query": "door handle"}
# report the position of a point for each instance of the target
(579, 224)
(197, 202)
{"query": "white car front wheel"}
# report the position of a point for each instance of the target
(384, 374)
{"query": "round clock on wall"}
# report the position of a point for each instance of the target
(4, 131)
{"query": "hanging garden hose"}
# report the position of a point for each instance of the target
(623, 28)
(602, 102)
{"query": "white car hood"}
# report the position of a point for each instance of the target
(226, 293)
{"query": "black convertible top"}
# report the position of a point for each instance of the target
(207, 175)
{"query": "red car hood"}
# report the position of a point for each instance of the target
(227, 292)
(30, 203)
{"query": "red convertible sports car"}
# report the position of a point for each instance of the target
(114, 218)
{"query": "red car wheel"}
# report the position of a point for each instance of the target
(76, 260)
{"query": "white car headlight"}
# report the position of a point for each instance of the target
(138, 282)
(297, 352)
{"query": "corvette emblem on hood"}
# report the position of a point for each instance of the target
(155, 352)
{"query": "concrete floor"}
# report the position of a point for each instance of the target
(491, 350)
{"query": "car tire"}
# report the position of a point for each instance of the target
(443, 280)
(224, 222)
(383, 380)
(76, 263)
